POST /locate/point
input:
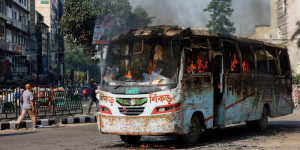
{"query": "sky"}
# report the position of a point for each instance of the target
(189, 13)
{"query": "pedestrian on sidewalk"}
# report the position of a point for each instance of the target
(92, 96)
(28, 106)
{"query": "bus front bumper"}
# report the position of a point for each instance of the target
(165, 124)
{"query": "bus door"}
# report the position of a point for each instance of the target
(198, 81)
(218, 79)
(234, 103)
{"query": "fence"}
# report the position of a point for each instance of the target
(48, 101)
(8, 102)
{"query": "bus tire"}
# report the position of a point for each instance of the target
(263, 121)
(260, 124)
(131, 139)
(193, 136)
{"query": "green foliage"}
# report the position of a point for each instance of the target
(75, 59)
(220, 11)
(78, 20)
(297, 33)
(296, 78)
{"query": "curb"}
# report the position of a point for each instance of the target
(72, 120)
(26, 124)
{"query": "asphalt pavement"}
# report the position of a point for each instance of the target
(86, 136)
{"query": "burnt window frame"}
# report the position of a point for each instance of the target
(276, 59)
(225, 56)
(289, 67)
(256, 58)
(254, 69)
(208, 57)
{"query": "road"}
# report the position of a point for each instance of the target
(283, 133)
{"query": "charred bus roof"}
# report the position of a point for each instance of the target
(180, 32)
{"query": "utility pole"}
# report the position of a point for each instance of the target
(87, 77)
(78, 77)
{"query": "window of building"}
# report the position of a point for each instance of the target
(2, 33)
(20, 17)
(284, 6)
(8, 5)
(231, 59)
(2, 6)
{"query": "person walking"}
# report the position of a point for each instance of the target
(92, 96)
(28, 106)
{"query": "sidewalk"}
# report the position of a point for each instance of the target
(65, 119)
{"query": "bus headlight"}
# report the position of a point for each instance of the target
(104, 109)
(166, 108)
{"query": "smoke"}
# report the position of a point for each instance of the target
(189, 13)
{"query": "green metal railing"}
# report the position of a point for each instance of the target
(48, 101)
(8, 102)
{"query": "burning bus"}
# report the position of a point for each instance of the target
(167, 80)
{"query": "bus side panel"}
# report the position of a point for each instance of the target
(244, 100)
(197, 97)
(283, 103)
(237, 97)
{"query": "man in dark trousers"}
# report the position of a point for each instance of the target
(92, 96)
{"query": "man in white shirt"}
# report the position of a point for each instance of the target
(28, 106)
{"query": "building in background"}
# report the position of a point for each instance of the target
(30, 49)
(284, 16)
(50, 10)
(16, 62)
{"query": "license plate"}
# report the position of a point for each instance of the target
(132, 91)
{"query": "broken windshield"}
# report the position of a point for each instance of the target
(142, 62)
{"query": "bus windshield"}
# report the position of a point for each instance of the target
(142, 62)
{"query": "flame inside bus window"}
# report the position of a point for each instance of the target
(197, 58)
(247, 58)
(197, 63)
(245, 67)
(231, 57)
(129, 76)
(234, 63)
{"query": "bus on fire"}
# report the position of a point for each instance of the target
(166, 80)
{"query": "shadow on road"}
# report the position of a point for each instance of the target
(15, 134)
(221, 136)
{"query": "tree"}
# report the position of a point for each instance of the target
(297, 33)
(296, 78)
(78, 20)
(220, 11)
(78, 63)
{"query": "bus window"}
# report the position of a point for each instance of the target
(231, 60)
(284, 63)
(261, 59)
(273, 60)
(247, 58)
(197, 59)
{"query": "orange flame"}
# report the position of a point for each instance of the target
(201, 67)
(129, 76)
(234, 63)
(192, 67)
(219, 85)
(151, 67)
(246, 68)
